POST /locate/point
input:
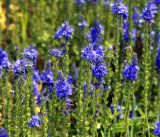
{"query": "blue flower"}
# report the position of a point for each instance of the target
(63, 87)
(20, 68)
(57, 52)
(34, 121)
(4, 60)
(93, 53)
(156, 1)
(149, 12)
(156, 130)
(65, 31)
(158, 53)
(3, 132)
(47, 80)
(125, 30)
(83, 23)
(31, 54)
(133, 34)
(130, 72)
(120, 9)
(99, 70)
(136, 17)
(80, 2)
(96, 33)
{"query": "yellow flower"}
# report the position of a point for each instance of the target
(2, 17)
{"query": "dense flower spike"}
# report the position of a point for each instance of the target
(99, 70)
(96, 33)
(47, 78)
(58, 53)
(130, 72)
(149, 12)
(65, 31)
(157, 129)
(125, 30)
(136, 17)
(31, 54)
(93, 53)
(158, 53)
(63, 88)
(3, 132)
(20, 68)
(4, 61)
(120, 9)
(34, 121)
(36, 79)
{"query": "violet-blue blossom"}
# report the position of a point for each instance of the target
(63, 87)
(130, 72)
(99, 70)
(120, 9)
(20, 68)
(93, 53)
(65, 31)
(31, 54)
(149, 11)
(35, 121)
(96, 33)
(4, 60)
(3, 132)
(156, 130)
(58, 53)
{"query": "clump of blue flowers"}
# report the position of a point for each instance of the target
(99, 70)
(4, 60)
(130, 72)
(20, 68)
(35, 121)
(63, 87)
(65, 31)
(3, 132)
(93, 53)
(120, 9)
(31, 54)
(149, 12)
(47, 78)
(156, 130)
(158, 53)
(58, 53)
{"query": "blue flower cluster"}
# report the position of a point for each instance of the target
(20, 68)
(80, 3)
(99, 70)
(149, 12)
(65, 31)
(58, 53)
(3, 132)
(125, 30)
(35, 121)
(120, 9)
(47, 78)
(156, 1)
(156, 131)
(94, 52)
(96, 33)
(4, 60)
(158, 53)
(130, 72)
(63, 87)
(31, 54)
